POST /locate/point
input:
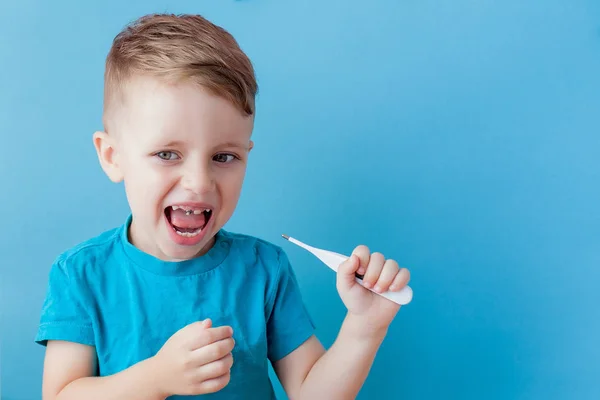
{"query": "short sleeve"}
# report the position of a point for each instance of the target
(63, 315)
(289, 323)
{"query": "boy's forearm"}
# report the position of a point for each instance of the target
(341, 372)
(133, 383)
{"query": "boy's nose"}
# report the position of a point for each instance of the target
(198, 180)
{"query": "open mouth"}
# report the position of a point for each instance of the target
(187, 221)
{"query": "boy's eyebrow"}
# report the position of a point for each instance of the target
(234, 144)
(173, 143)
(178, 143)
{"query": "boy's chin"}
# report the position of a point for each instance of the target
(177, 252)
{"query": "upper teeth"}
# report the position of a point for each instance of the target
(189, 210)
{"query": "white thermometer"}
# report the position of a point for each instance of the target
(333, 260)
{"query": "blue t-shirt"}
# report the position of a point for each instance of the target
(126, 303)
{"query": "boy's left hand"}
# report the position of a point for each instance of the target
(376, 311)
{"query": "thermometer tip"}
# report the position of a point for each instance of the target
(286, 237)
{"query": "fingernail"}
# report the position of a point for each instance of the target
(378, 289)
(361, 271)
(368, 284)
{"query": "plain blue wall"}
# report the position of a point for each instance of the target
(460, 137)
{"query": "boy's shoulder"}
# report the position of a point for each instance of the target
(83, 253)
(248, 241)
(264, 251)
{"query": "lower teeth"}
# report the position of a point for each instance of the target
(189, 234)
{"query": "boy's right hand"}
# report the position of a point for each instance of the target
(195, 360)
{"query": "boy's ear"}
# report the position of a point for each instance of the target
(251, 146)
(107, 155)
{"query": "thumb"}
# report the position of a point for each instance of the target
(207, 323)
(346, 272)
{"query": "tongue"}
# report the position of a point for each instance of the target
(181, 220)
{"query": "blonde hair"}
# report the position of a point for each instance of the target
(177, 48)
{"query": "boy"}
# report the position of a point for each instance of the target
(170, 303)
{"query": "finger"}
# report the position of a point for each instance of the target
(215, 369)
(195, 328)
(189, 331)
(213, 385)
(212, 352)
(374, 268)
(363, 253)
(205, 337)
(388, 273)
(401, 280)
(346, 272)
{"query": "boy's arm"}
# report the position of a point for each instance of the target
(195, 360)
(70, 360)
(309, 372)
(68, 374)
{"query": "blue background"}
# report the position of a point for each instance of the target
(459, 137)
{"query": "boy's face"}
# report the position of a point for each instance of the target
(182, 155)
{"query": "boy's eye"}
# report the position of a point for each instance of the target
(167, 155)
(223, 157)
